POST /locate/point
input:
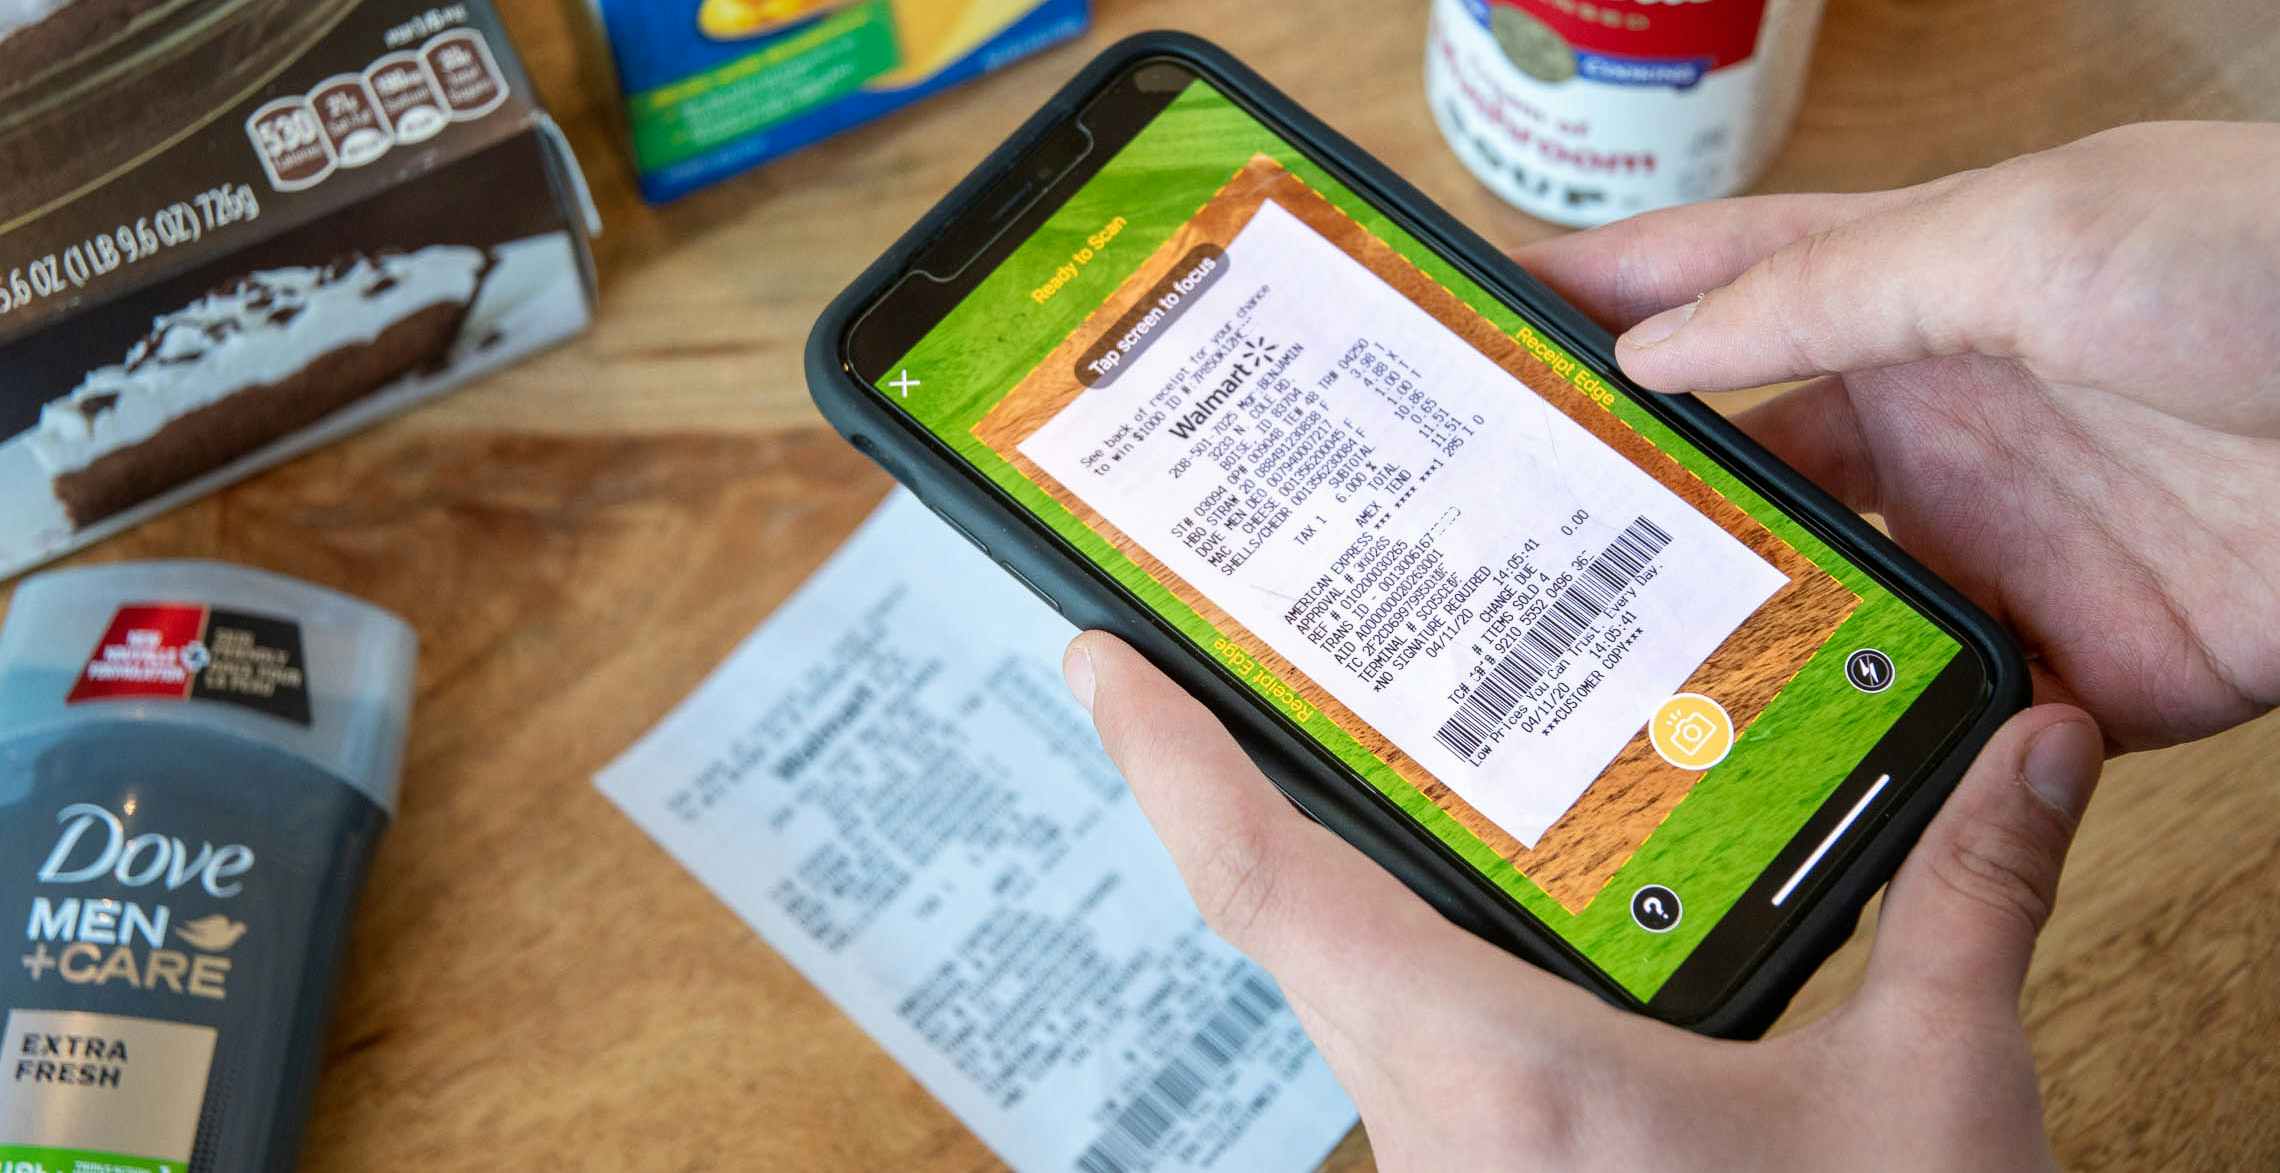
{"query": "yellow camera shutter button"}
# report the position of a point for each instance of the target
(1691, 731)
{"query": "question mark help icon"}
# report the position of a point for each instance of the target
(1656, 908)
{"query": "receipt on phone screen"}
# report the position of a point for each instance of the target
(1494, 590)
(889, 783)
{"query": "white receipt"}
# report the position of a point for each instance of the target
(888, 781)
(1503, 596)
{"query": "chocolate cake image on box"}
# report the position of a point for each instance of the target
(257, 360)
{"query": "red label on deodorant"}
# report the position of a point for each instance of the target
(184, 651)
(147, 652)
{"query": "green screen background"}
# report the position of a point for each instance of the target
(1739, 814)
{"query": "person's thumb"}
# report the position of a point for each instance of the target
(1961, 917)
(1889, 288)
(1335, 929)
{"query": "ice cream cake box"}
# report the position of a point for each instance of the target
(233, 230)
(713, 87)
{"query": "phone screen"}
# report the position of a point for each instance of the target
(1589, 660)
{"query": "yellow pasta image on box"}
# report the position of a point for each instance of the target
(935, 33)
(715, 87)
(736, 20)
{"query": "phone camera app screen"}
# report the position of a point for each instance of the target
(1584, 656)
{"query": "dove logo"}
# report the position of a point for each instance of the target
(94, 844)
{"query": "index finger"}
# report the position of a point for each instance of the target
(1628, 270)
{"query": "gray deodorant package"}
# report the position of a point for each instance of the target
(196, 761)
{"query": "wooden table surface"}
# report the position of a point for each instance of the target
(535, 985)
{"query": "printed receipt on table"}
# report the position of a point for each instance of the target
(888, 781)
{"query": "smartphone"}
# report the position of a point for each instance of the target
(1586, 668)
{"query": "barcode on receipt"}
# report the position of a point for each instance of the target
(1511, 679)
(1171, 1094)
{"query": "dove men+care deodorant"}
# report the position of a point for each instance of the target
(195, 763)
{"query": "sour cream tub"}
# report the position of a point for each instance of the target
(1586, 111)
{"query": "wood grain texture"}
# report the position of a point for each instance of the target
(534, 985)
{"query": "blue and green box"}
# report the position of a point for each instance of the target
(713, 87)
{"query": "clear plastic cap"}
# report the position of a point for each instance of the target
(310, 671)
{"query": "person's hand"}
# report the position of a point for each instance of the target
(2058, 379)
(1461, 1056)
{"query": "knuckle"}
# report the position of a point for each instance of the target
(1512, 1097)
(2072, 219)
(2007, 869)
(1781, 291)
(1543, 1120)
(2054, 220)
(1130, 725)
(1237, 882)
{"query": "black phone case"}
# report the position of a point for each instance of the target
(1314, 781)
